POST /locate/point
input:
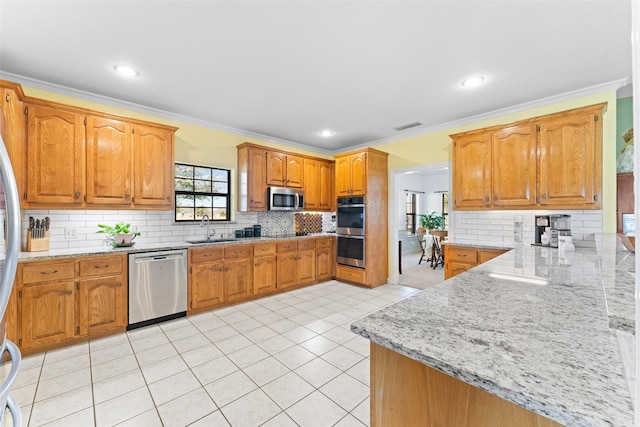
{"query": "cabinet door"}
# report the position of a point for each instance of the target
(237, 279)
(257, 179)
(206, 285)
(286, 270)
(47, 314)
(306, 269)
(359, 174)
(55, 156)
(264, 274)
(153, 166)
(514, 166)
(295, 171)
(12, 131)
(472, 171)
(276, 169)
(343, 176)
(453, 268)
(325, 176)
(108, 161)
(102, 305)
(311, 185)
(324, 264)
(567, 160)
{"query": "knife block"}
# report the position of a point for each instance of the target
(39, 244)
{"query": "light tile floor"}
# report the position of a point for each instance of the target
(284, 360)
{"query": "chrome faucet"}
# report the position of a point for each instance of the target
(209, 234)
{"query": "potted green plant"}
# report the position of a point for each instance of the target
(432, 221)
(122, 234)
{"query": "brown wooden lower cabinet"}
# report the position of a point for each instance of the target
(405, 392)
(64, 301)
(460, 258)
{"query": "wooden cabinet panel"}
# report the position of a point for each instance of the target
(153, 156)
(237, 279)
(264, 274)
(325, 177)
(625, 197)
(286, 269)
(287, 246)
(306, 267)
(306, 244)
(472, 170)
(256, 177)
(514, 166)
(101, 266)
(295, 171)
(485, 255)
(351, 274)
(276, 169)
(47, 314)
(468, 255)
(206, 254)
(55, 155)
(458, 259)
(39, 272)
(108, 161)
(238, 251)
(343, 176)
(568, 160)
(262, 249)
(324, 264)
(102, 305)
(311, 184)
(206, 285)
(453, 268)
(12, 128)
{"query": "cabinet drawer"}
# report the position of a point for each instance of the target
(324, 242)
(199, 255)
(488, 254)
(306, 244)
(461, 255)
(288, 246)
(238, 251)
(260, 249)
(45, 272)
(356, 275)
(101, 266)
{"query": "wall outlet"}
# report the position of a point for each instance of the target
(70, 233)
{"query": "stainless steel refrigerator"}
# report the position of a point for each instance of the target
(9, 352)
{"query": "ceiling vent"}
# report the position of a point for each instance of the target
(407, 126)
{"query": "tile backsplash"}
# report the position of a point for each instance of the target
(496, 227)
(154, 226)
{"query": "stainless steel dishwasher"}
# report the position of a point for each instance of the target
(157, 286)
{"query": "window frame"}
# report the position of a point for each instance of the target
(194, 193)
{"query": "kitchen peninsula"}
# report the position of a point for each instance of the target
(525, 339)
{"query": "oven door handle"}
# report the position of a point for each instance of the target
(351, 236)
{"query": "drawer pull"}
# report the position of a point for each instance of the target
(49, 272)
(101, 266)
(264, 249)
(462, 255)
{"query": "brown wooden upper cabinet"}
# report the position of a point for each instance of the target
(284, 170)
(550, 162)
(261, 167)
(82, 158)
(351, 174)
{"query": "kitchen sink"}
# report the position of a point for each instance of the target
(210, 241)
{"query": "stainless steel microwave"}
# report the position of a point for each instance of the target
(285, 199)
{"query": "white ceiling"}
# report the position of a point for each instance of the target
(284, 70)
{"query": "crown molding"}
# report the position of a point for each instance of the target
(101, 99)
(613, 85)
(113, 102)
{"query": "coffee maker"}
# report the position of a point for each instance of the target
(560, 226)
(549, 227)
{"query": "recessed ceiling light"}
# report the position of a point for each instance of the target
(126, 71)
(327, 133)
(473, 81)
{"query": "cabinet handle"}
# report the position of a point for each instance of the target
(264, 249)
(486, 198)
(49, 272)
(544, 196)
(463, 255)
(119, 285)
(168, 198)
(127, 196)
(495, 197)
(69, 292)
(76, 195)
(101, 266)
(7, 98)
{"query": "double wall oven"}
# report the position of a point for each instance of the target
(350, 230)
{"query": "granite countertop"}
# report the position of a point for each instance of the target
(146, 247)
(530, 326)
